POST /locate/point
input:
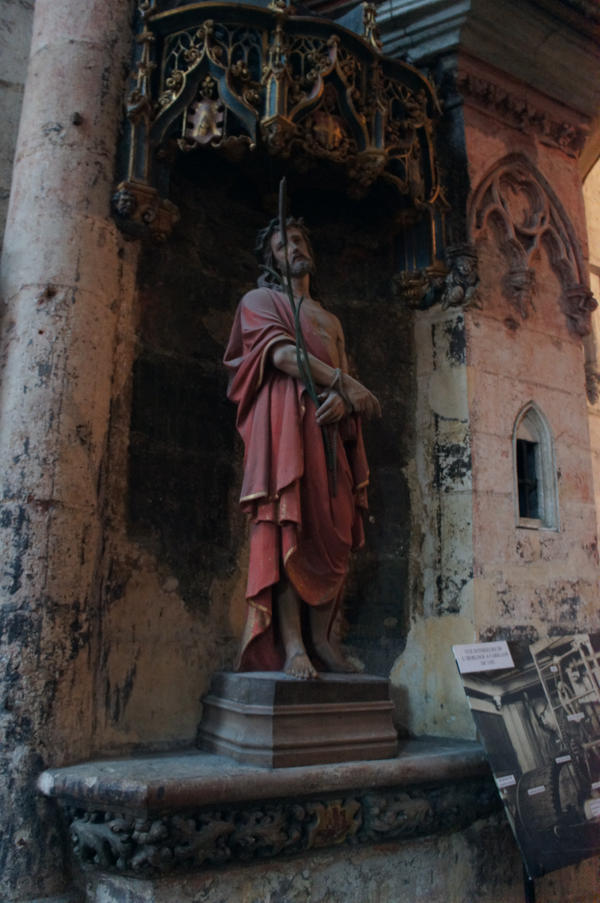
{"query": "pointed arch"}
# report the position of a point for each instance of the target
(540, 221)
(534, 469)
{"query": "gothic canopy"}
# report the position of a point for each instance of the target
(218, 75)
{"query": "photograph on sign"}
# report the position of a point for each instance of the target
(539, 722)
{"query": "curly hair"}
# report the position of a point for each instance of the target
(270, 276)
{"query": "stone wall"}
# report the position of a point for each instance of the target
(522, 348)
(426, 687)
(15, 34)
(176, 568)
(482, 574)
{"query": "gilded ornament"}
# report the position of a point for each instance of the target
(223, 74)
(205, 122)
(336, 821)
(328, 130)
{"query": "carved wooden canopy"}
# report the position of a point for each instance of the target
(220, 75)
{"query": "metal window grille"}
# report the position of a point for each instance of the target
(527, 478)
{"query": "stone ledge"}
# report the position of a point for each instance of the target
(162, 815)
(190, 778)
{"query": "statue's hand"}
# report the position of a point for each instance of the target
(331, 409)
(362, 401)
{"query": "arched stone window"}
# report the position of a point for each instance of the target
(536, 491)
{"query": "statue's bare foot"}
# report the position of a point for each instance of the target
(299, 665)
(335, 660)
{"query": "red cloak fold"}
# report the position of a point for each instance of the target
(294, 521)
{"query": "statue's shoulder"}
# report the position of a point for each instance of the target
(258, 299)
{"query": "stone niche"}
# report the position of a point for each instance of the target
(185, 455)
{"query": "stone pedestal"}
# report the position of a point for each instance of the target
(270, 719)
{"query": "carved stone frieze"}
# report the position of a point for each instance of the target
(213, 75)
(335, 822)
(519, 111)
(514, 204)
(157, 844)
(397, 815)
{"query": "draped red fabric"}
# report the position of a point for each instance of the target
(294, 520)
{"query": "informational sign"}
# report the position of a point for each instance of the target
(537, 711)
(482, 657)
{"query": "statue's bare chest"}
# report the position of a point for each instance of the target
(323, 323)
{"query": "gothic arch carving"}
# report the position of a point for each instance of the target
(520, 202)
(229, 76)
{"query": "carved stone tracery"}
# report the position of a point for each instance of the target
(224, 75)
(529, 218)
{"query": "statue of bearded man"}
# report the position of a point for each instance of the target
(304, 521)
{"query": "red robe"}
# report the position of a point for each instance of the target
(294, 520)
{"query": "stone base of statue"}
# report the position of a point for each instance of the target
(268, 718)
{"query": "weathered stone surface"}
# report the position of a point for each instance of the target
(15, 32)
(528, 583)
(386, 874)
(63, 278)
(125, 550)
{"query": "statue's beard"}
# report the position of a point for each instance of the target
(301, 267)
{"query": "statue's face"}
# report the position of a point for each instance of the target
(299, 256)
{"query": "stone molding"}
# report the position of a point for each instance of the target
(502, 34)
(266, 719)
(420, 33)
(155, 845)
(164, 813)
(518, 110)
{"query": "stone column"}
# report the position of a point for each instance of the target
(66, 275)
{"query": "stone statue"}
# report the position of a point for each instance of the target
(305, 470)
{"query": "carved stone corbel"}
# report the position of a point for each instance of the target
(454, 284)
(578, 303)
(462, 281)
(139, 210)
